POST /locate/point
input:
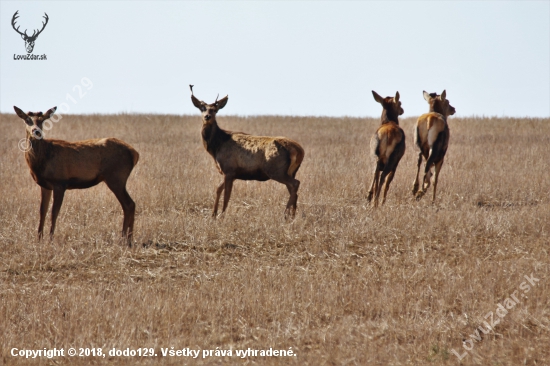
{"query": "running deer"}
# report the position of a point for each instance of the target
(241, 156)
(387, 146)
(431, 135)
(58, 165)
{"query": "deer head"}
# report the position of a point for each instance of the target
(34, 122)
(208, 111)
(439, 103)
(391, 107)
(29, 40)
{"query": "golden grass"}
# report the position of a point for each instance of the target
(342, 284)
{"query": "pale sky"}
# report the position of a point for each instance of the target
(274, 57)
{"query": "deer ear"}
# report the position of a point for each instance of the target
(377, 97)
(427, 96)
(444, 95)
(23, 116)
(197, 103)
(49, 113)
(222, 102)
(396, 98)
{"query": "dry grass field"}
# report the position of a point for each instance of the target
(342, 284)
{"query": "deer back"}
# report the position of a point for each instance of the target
(386, 138)
(253, 155)
(79, 164)
(428, 128)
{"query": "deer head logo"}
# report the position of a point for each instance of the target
(29, 40)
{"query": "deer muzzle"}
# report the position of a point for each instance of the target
(37, 133)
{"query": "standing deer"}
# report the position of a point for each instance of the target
(431, 135)
(241, 156)
(58, 165)
(387, 146)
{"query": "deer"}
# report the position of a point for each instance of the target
(58, 165)
(29, 40)
(431, 136)
(242, 156)
(387, 146)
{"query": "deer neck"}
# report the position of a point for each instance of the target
(388, 117)
(36, 154)
(213, 136)
(432, 110)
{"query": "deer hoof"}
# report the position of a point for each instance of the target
(289, 214)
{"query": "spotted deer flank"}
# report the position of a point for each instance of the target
(241, 156)
(431, 136)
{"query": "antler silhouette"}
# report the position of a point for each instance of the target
(43, 26)
(34, 34)
(15, 16)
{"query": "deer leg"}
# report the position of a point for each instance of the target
(46, 195)
(376, 183)
(58, 194)
(288, 204)
(383, 176)
(219, 191)
(387, 185)
(427, 176)
(376, 175)
(391, 167)
(292, 185)
(437, 169)
(128, 207)
(227, 191)
(415, 184)
(295, 200)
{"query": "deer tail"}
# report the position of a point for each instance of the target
(135, 156)
(375, 145)
(296, 156)
(417, 138)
